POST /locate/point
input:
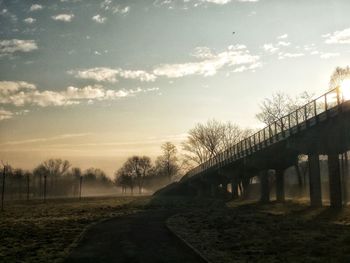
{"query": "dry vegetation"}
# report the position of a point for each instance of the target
(267, 233)
(38, 232)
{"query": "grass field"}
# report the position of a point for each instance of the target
(267, 233)
(37, 232)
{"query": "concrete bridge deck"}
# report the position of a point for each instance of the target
(320, 127)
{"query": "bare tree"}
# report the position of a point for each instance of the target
(279, 105)
(205, 141)
(338, 75)
(54, 168)
(167, 163)
(136, 168)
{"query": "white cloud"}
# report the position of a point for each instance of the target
(329, 55)
(282, 55)
(283, 44)
(7, 87)
(234, 56)
(29, 20)
(219, 2)
(99, 19)
(5, 13)
(35, 7)
(16, 45)
(108, 5)
(5, 114)
(63, 17)
(338, 37)
(270, 48)
(121, 10)
(284, 36)
(203, 53)
(22, 93)
(105, 74)
(252, 1)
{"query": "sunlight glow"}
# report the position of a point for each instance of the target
(345, 89)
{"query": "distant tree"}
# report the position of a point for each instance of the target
(338, 75)
(124, 180)
(40, 172)
(167, 163)
(54, 168)
(96, 176)
(17, 176)
(137, 169)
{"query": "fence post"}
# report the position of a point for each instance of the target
(3, 187)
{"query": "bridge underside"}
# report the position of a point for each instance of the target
(329, 136)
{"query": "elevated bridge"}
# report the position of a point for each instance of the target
(321, 127)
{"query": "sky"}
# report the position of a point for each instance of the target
(96, 81)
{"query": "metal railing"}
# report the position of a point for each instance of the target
(308, 115)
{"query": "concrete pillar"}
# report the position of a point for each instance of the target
(234, 188)
(345, 174)
(335, 193)
(280, 196)
(264, 186)
(315, 180)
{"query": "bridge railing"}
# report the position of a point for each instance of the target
(299, 119)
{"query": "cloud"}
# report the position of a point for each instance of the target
(99, 19)
(63, 17)
(283, 44)
(234, 56)
(35, 7)
(5, 114)
(282, 55)
(121, 10)
(29, 20)
(108, 5)
(219, 2)
(338, 37)
(203, 53)
(8, 47)
(270, 48)
(5, 13)
(284, 36)
(21, 93)
(47, 139)
(104, 74)
(329, 55)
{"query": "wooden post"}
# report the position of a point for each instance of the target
(3, 188)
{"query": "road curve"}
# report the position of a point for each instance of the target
(137, 238)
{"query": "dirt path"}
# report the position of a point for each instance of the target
(137, 238)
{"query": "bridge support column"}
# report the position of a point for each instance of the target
(315, 180)
(264, 187)
(345, 174)
(280, 195)
(234, 188)
(335, 193)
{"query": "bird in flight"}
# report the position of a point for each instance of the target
(233, 32)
